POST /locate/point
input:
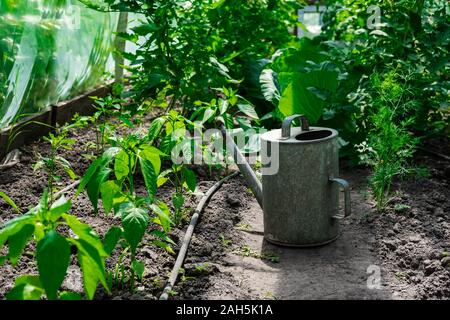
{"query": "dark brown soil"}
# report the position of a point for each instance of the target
(413, 236)
(409, 241)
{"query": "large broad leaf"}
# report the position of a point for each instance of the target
(17, 242)
(150, 177)
(109, 190)
(209, 113)
(248, 110)
(162, 212)
(85, 232)
(93, 188)
(134, 221)
(269, 86)
(297, 98)
(138, 268)
(155, 128)
(153, 155)
(62, 205)
(15, 225)
(96, 166)
(93, 266)
(53, 255)
(122, 165)
(26, 288)
(112, 237)
(296, 59)
(189, 176)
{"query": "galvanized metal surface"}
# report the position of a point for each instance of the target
(300, 203)
(300, 199)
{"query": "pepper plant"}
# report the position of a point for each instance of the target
(54, 165)
(44, 225)
(111, 178)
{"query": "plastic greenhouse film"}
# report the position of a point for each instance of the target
(50, 50)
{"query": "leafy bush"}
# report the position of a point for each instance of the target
(188, 48)
(413, 37)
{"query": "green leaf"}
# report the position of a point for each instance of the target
(178, 201)
(112, 237)
(62, 205)
(93, 266)
(88, 175)
(163, 215)
(138, 268)
(269, 86)
(26, 288)
(93, 188)
(85, 232)
(162, 235)
(98, 163)
(17, 242)
(223, 106)
(134, 221)
(209, 113)
(163, 245)
(189, 176)
(155, 128)
(122, 165)
(15, 225)
(150, 177)
(9, 201)
(153, 155)
(53, 255)
(109, 190)
(145, 29)
(65, 295)
(297, 99)
(248, 110)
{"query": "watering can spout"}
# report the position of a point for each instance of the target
(249, 175)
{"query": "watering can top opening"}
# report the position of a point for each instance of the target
(304, 134)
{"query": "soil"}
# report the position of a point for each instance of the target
(229, 259)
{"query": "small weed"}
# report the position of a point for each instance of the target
(243, 226)
(202, 266)
(246, 251)
(401, 275)
(225, 242)
(157, 282)
(268, 296)
(173, 293)
(399, 207)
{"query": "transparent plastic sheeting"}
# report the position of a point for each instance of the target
(50, 50)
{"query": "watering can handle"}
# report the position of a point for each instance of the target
(286, 127)
(347, 209)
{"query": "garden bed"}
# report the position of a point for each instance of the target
(228, 258)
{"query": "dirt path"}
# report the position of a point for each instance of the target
(255, 269)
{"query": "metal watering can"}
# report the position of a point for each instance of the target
(301, 199)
